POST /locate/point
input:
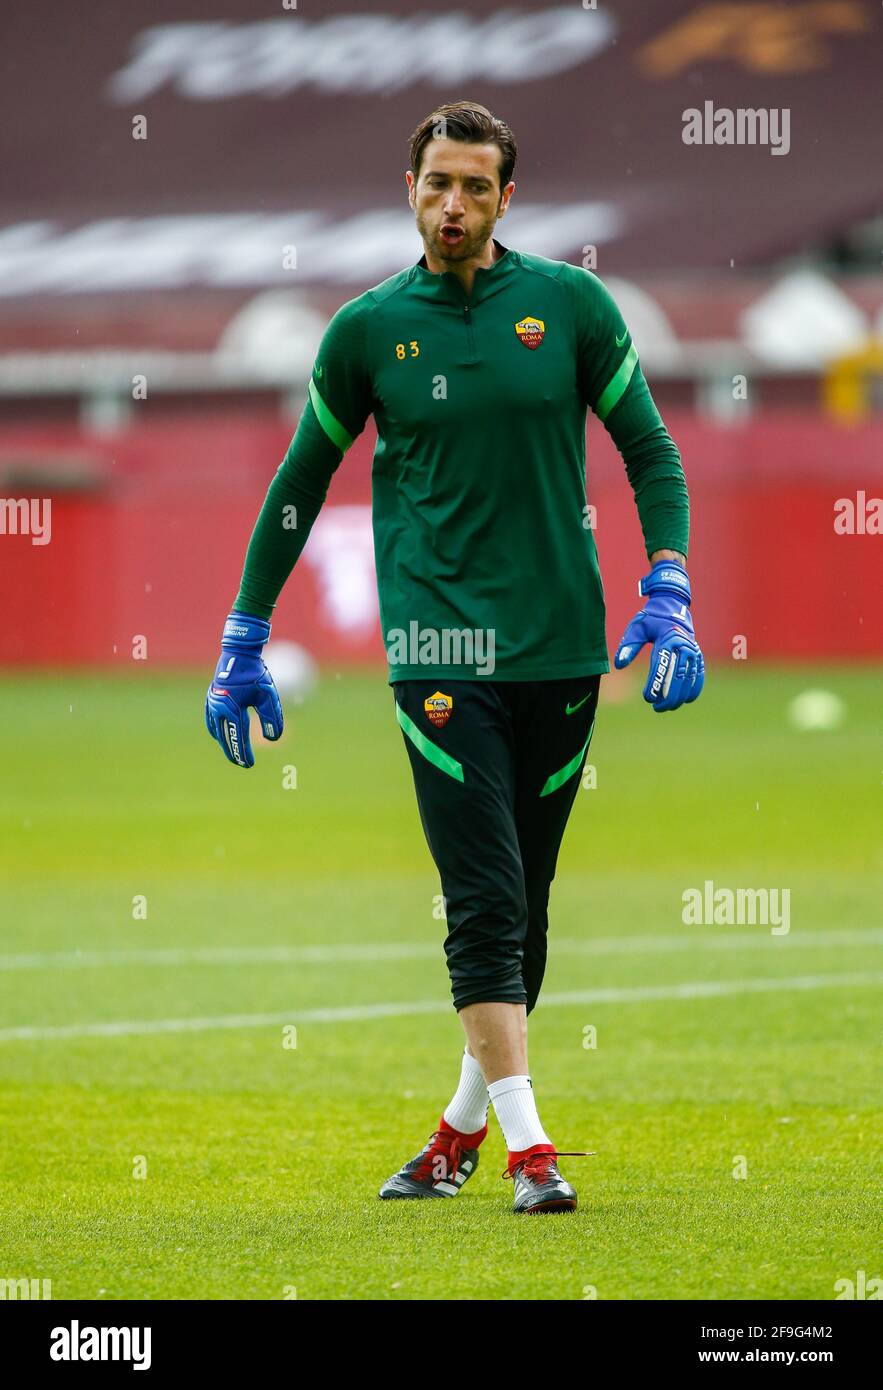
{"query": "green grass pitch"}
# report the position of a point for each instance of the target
(721, 1050)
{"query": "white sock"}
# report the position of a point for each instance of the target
(468, 1108)
(516, 1110)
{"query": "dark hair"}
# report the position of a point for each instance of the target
(471, 123)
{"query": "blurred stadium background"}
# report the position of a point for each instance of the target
(189, 193)
(161, 297)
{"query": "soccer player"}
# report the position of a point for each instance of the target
(478, 364)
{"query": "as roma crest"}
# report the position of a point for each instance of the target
(437, 709)
(531, 332)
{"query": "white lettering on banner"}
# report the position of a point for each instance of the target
(243, 248)
(356, 53)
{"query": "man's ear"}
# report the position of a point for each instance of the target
(505, 197)
(409, 180)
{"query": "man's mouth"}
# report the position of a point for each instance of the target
(452, 233)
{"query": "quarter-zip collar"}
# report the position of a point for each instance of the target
(488, 279)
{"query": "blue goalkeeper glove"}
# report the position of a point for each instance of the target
(677, 669)
(242, 680)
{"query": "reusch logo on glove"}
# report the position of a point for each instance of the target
(659, 678)
(233, 740)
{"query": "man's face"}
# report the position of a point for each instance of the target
(456, 197)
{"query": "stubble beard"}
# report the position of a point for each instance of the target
(470, 248)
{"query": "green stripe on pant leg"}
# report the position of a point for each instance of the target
(559, 778)
(430, 750)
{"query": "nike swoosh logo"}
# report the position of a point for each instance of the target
(572, 709)
(620, 341)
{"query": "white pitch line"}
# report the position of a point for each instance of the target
(358, 1013)
(223, 955)
(426, 950)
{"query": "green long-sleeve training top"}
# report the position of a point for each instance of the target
(481, 523)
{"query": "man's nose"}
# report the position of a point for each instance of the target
(454, 205)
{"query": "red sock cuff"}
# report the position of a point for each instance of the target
(517, 1156)
(469, 1141)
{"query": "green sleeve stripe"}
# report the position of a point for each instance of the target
(615, 388)
(559, 778)
(330, 424)
(430, 751)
